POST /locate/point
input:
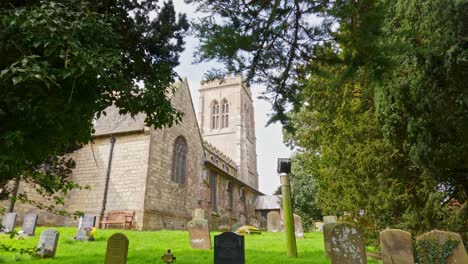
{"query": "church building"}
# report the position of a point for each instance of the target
(164, 174)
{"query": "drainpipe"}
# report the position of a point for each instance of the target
(106, 186)
(13, 195)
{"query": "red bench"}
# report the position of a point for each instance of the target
(118, 217)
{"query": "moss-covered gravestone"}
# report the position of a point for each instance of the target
(440, 247)
(198, 231)
(117, 249)
(396, 246)
(347, 245)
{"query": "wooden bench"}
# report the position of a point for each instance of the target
(118, 217)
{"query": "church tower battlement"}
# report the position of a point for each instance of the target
(227, 122)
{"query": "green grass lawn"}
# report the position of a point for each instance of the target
(148, 247)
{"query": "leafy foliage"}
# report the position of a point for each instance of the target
(378, 94)
(64, 62)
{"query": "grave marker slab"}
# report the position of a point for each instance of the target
(273, 222)
(458, 254)
(198, 231)
(29, 224)
(229, 248)
(327, 238)
(49, 240)
(85, 222)
(298, 230)
(396, 246)
(117, 249)
(8, 222)
(319, 226)
(329, 219)
(347, 245)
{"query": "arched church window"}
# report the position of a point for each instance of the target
(213, 191)
(215, 115)
(230, 193)
(225, 114)
(179, 161)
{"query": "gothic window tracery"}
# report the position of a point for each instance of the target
(225, 114)
(179, 161)
(215, 115)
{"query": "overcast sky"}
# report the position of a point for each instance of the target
(269, 139)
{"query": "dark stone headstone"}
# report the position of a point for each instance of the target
(8, 222)
(347, 245)
(29, 224)
(273, 222)
(396, 246)
(229, 249)
(117, 249)
(327, 228)
(49, 240)
(85, 222)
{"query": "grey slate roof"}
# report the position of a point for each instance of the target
(268, 202)
(113, 122)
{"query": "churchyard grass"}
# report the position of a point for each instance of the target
(148, 247)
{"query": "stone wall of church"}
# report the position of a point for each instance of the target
(169, 205)
(126, 184)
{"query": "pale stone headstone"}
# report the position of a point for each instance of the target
(347, 245)
(396, 246)
(49, 240)
(329, 219)
(319, 226)
(458, 254)
(117, 249)
(198, 231)
(298, 230)
(327, 238)
(229, 249)
(8, 222)
(29, 224)
(255, 222)
(85, 222)
(273, 222)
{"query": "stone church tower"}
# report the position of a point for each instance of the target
(227, 122)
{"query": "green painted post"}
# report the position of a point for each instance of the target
(288, 217)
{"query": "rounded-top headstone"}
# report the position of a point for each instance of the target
(117, 249)
(273, 222)
(347, 245)
(396, 246)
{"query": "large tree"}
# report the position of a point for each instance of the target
(64, 62)
(376, 92)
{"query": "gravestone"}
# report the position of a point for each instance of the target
(329, 219)
(327, 238)
(8, 222)
(198, 231)
(255, 222)
(229, 249)
(29, 224)
(117, 249)
(347, 245)
(396, 246)
(319, 226)
(298, 230)
(48, 240)
(273, 222)
(85, 222)
(458, 254)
